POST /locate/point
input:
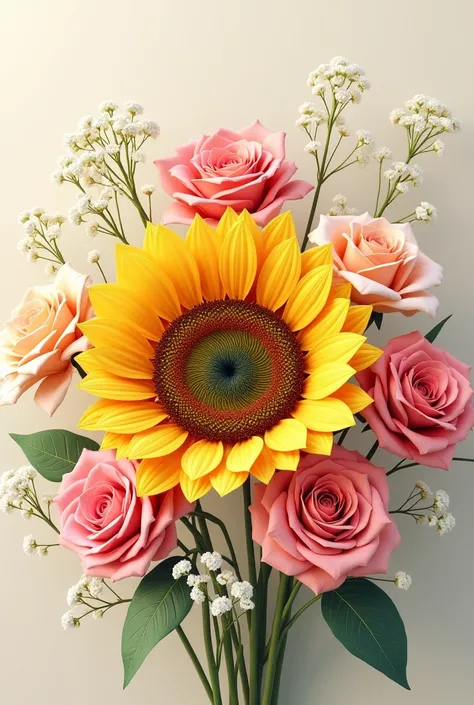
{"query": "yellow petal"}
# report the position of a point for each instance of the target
(88, 362)
(238, 261)
(264, 467)
(326, 379)
(277, 231)
(244, 454)
(227, 221)
(315, 257)
(202, 241)
(224, 481)
(357, 319)
(202, 458)
(122, 416)
(288, 434)
(340, 291)
(114, 301)
(249, 222)
(157, 442)
(355, 397)
(156, 475)
(122, 447)
(194, 489)
(280, 274)
(137, 272)
(323, 415)
(319, 443)
(111, 441)
(285, 460)
(102, 332)
(308, 298)
(175, 259)
(329, 322)
(365, 357)
(108, 386)
(336, 348)
(120, 362)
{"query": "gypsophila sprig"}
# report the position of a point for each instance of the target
(212, 561)
(18, 493)
(341, 207)
(41, 234)
(181, 569)
(434, 513)
(88, 595)
(402, 580)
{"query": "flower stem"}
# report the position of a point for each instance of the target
(197, 665)
(254, 617)
(285, 581)
(372, 451)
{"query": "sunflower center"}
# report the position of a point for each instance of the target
(228, 370)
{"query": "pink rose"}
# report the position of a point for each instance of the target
(327, 521)
(115, 533)
(41, 337)
(243, 170)
(382, 261)
(422, 400)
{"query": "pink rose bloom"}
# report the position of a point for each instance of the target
(41, 337)
(327, 521)
(115, 533)
(422, 400)
(382, 261)
(243, 170)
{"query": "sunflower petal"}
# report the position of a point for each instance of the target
(238, 261)
(285, 460)
(122, 417)
(336, 348)
(109, 386)
(264, 467)
(88, 362)
(114, 301)
(175, 259)
(202, 241)
(319, 443)
(194, 489)
(352, 395)
(157, 475)
(122, 447)
(137, 272)
(329, 322)
(323, 415)
(157, 442)
(288, 434)
(101, 332)
(244, 454)
(308, 298)
(224, 481)
(340, 291)
(120, 362)
(249, 222)
(315, 257)
(357, 319)
(111, 441)
(280, 274)
(326, 379)
(202, 458)
(228, 220)
(365, 357)
(277, 231)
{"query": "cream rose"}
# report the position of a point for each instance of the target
(42, 336)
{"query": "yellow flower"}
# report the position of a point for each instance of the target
(223, 354)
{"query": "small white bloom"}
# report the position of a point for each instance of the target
(51, 269)
(182, 568)
(25, 244)
(23, 217)
(100, 205)
(74, 595)
(150, 128)
(241, 590)
(92, 229)
(303, 121)
(132, 129)
(112, 149)
(441, 501)
(433, 520)
(396, 115)
(399, 168)
(27, 513)
(69, 621)
(382, 153)
(307, 108)
(246, 604)
(312, 147)
(356, 95)
(148, 189)
(97, 614)
(93, 256)
(438, 147)
(227, 577)
(57, 177)
(362, 158)
(446, 523)
(197, 595)
(108, 106)
(364, 138)
(425, 491)
(220, 605)
(95, 587)
(340, 200)
(74, 216)
(426, 212)
(192, 580)
(342, 96)
(70, 140)
(415, 175)
(319, 89)
(402, 187)
(133, 108)
(138, 157)
(32, 256)
(53, 232)
(212, 561)
(29, 545)
(42, 551)
(402, 580)
(30, 227)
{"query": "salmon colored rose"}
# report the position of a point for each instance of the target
(244, 170)
(116, 533)
(422, 400)
(382, 261)
(327, 521)
(42, 336)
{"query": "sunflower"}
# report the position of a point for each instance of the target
(223, 354)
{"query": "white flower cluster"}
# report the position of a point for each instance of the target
(85, 589)
(93, 256)
(340, 206)
(404, 175)
(426, 212)
(439, 518)
(424, 113)
(14, 485)
(346, 81)
(41, 232)
(181, 568)
(382, 153)
(212, 561)
(402, 580)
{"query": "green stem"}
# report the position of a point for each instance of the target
(254, 631)
(197, 665)
(213, 672)
(311, 216)
(341, 438)
(225, 533)
(372, 451)
(401, 466)
(285, 580)
(298, 614)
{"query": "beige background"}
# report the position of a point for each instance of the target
(198, 66)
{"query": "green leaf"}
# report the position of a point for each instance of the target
(53, 453)
(158, 606)
(434, 332)
(365, 620)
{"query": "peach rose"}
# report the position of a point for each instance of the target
(41, 337)
(422, 400)
(243, 170)
(116, 534)
(382, 261)
(327, 521)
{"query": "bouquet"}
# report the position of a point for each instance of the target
(236, 359)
